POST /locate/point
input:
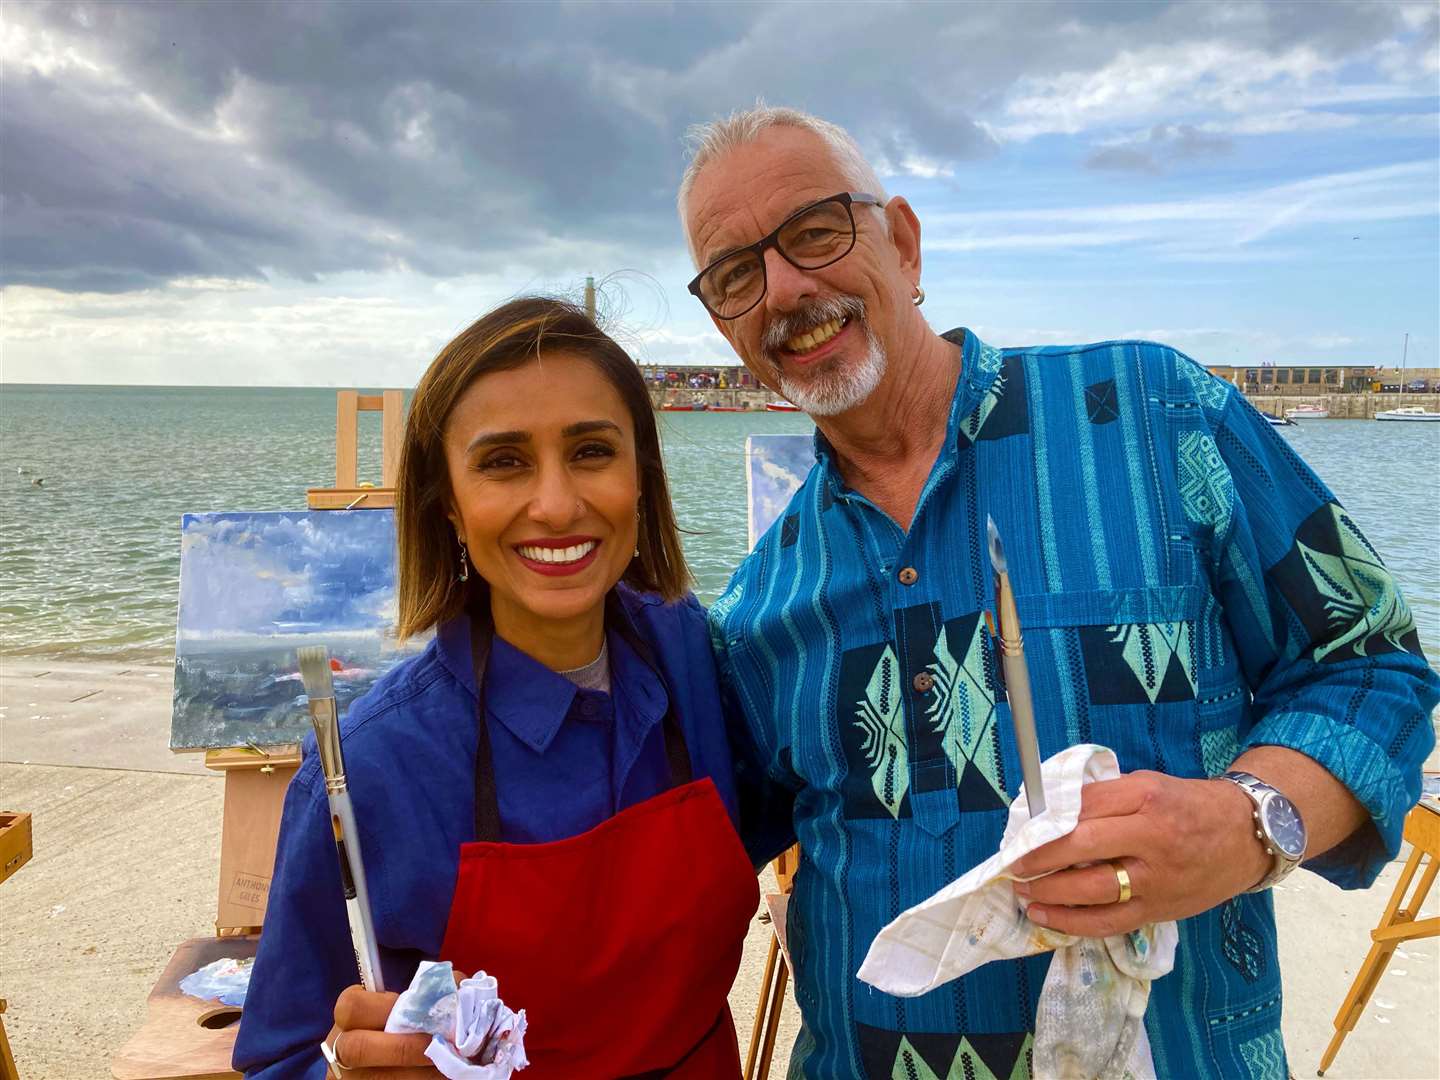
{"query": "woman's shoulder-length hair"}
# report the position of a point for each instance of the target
(428, 587)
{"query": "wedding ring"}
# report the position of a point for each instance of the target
(331, 1053)
(1122, 878)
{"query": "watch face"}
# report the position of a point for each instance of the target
(1283, 824)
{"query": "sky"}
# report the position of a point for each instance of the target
(324, 193)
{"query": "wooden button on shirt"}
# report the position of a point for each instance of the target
(923, 682)
(908, 576)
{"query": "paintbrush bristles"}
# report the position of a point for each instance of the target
(315, 671)
(997, 551)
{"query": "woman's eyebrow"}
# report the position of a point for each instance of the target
(586, 427)
(581, 427)
(494, 438)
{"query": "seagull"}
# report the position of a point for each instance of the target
(39, 481)
(21, 469)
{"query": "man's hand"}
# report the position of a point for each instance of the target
(1186, 844)
(366, 1050)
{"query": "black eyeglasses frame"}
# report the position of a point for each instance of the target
(847, 198)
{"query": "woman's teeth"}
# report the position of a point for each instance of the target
(815, 338)
(557, 555)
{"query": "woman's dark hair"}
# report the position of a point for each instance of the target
(511, 335)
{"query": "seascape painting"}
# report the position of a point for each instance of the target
(254, 587)
(775, 467)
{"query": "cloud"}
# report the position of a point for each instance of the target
(146, 143)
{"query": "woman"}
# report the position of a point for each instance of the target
(545, 792)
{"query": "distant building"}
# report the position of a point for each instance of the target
(1298, 381)
(680, 377)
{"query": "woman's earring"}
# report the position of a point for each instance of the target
(464, 574)
(919, 295)
(637, 535)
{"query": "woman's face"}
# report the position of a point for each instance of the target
(545, 485)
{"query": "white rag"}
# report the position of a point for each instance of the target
(475, 1035)
(1090, 1020)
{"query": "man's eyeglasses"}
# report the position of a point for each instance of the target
(814, 236)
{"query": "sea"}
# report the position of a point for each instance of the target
(90, 559)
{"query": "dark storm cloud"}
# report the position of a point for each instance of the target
(242, 140)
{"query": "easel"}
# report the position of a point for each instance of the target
(777, 968)
(1397, 925)
(348, 494)
(184, 1038)
(16, 848)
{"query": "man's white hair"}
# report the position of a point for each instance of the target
(713, 138)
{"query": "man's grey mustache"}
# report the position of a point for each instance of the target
(812, 314)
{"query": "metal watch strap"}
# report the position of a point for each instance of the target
(1280, 863)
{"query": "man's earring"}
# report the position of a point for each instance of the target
(919, 295)
(464, 574)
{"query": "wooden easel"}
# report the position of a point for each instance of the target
(1397, 925)
(348, 494)
(777, 968)
(184, 1038)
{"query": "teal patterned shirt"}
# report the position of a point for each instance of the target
(1187, 587)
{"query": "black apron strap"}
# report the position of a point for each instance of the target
(487, 803)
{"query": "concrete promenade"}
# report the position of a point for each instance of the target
(127, 839)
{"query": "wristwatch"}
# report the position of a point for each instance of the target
(1278, 826)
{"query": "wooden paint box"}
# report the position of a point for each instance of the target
(16, 845)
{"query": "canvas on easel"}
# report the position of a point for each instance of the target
(254, 587)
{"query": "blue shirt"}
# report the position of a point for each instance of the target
(565, 759)
(1187, 588)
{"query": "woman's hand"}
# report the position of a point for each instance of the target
(365, 1050)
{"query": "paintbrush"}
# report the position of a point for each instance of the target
(320, 688)
(1017, 674)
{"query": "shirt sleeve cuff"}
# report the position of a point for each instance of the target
(1386, 791)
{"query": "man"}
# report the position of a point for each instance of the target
(1192, 597)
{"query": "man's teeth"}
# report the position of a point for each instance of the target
(815, 338)
(557, 555)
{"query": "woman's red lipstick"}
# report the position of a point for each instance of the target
(553, 569)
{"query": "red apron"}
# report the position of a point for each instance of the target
(620, 944)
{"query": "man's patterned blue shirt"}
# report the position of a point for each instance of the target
(1187, 587)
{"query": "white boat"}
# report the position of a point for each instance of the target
(1308, 412)
(1277, 421)
(1403, 411)
(1408, 412)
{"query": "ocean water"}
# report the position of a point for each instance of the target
(89, 563)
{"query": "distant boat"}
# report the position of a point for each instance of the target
(1403, 411)
(1277, 421)
(1308, 412)
(675, 406)
(1408, 412)
(781, 406)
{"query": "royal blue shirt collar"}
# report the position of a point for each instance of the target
(532, 700)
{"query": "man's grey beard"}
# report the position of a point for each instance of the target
(830, 389)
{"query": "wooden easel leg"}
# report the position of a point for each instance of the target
(7, 1059)
(777, 1001)
(761, 1007)
(1378, 958)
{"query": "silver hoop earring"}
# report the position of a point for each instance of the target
(919, 295)
(464, 574)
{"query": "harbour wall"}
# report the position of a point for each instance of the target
(748, 398)
(1341, 406)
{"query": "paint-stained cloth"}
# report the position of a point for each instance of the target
(1188, 588)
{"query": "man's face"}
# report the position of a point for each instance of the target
(819, 336)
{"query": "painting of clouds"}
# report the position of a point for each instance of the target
(254, 587)
(775, 467)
